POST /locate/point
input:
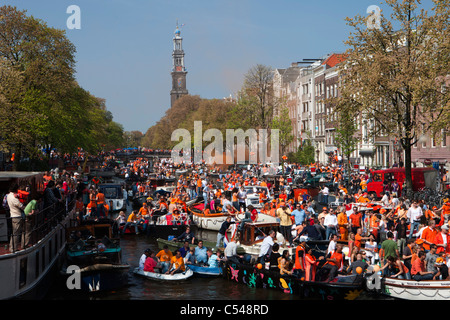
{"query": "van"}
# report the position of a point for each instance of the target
(421, 177)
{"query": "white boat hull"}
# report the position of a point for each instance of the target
(165, 277)
(214, 223)
(417, 290)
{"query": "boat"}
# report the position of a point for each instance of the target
(164, 277)
(164, 227)
(213, 221)
(416, 290)
(206, 271)
(96, 256)
(29, 273)
(113, 196)
(343, 287)
(175, 245)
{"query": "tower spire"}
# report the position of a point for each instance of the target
(178, 70)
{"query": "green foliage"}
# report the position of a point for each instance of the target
(304, 155)
(40, 101)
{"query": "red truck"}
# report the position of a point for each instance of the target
(421, 177)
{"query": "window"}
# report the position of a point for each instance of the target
(43, 258)
(36, 265)
(23, 272)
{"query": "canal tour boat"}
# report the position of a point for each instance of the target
(29, 273)
(96, 255)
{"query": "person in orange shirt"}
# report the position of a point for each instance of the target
(343, 225)
(334, 263)
(359, 238)
(442, 240)
(355, 220)
(428, 235)
(165, 257)
(177, 263)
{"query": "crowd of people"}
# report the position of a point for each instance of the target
(408, 239)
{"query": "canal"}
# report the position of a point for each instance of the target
(194, 288)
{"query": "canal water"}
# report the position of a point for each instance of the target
(194, 288)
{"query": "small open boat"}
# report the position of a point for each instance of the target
(206, 271)
(416, 290)
(164, 277)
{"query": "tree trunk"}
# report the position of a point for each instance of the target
(408, 175)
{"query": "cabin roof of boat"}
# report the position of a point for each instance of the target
(8, 175)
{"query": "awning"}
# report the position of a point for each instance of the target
(366, 152)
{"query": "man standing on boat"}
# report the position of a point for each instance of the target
(15, 210)
(284, 214)
(224, 228)
(266, 246)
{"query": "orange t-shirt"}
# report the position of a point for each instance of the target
(355, 219)
(358, 241)
(429, 235)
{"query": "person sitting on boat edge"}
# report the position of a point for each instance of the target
(144, 257)
(190, 257)
(442, 273)
(150, 262)
(132, 221)
(200, 253)
(230, 252)
(418, 272)
(177, 264)
(334, 263)
(213, 259)
(164, 257)
(184, 249)
(187, 235)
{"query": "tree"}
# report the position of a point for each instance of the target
(397, 76)
(345, 137)
(256, 102)
(304, 154)
(283, 123)
(41, 104)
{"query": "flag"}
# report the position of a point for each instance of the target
(226, 240)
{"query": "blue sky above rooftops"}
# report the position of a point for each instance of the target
(124, 47)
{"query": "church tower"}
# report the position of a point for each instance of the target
(178, 70)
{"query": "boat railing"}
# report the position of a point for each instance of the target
(26, 231)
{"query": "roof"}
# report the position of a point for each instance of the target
(334, 60)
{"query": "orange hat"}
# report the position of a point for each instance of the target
(382, 210)
(434, 208)
(419, 241)
(282, 204)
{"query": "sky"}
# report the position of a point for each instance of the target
(124, 47)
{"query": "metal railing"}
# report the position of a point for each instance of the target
(26, 231)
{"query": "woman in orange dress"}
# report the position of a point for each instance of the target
(310, 266)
